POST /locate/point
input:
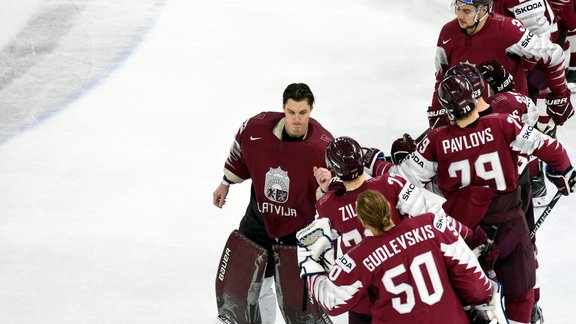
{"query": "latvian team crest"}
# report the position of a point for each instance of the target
(276, 185)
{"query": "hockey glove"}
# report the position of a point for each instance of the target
(401, 147)
(477, 240)
(494, 310)
(497, 76)
(437, 117)
(564, 181)
(483, 248)
(315, 250)
(559, 107)
(488, 258)
(371, 155)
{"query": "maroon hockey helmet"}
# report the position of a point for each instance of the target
(345, 158)
(456, 94)
(471, 73)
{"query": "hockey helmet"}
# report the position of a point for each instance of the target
(472, 74)
(345, 158)
(455, 93)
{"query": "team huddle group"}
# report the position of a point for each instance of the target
(338, 228)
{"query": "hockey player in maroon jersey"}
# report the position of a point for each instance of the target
(565, 11)
(476, 162)
(506, 101)
(476, 35)
(536, 15)
(345, 157)
(277, 151)
(417, 271)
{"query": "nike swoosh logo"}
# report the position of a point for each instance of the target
(444, 42)
(252, 138)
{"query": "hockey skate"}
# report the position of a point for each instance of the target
(537, 316)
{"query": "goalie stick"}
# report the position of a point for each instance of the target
(547, 211)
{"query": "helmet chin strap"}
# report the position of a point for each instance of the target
(478, 20)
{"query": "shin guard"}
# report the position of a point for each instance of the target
(239, 279)
(295, 303)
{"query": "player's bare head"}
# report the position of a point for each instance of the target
(297, 103)
(345, 158)
(456, 95)
(298, 92)
(471, 73)
(373, 210)
(471, 12)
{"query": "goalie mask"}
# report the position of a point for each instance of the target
(472, 74)
(455, 93)
(345, 158)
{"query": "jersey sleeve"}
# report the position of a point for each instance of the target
(334, 298)
(441, 61)
(529, 141)
(465, 272)
(536, 15)
(539, 50)
(420, 166)
(235, 168)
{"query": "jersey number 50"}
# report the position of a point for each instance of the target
(429, 298)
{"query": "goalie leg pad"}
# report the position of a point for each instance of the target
(290, 290)
(239, 279)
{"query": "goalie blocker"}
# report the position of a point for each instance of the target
(238, 289)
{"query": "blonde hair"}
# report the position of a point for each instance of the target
(373, 209)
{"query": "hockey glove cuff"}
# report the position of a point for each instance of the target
(559, 107)
(401, 147)
(371, 155)
(564, 181)
(438, 116)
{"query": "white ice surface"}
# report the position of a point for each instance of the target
(105, 206)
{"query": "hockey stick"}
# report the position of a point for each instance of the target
(421, 137)
(546, 211)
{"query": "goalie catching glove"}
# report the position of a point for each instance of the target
(315, 249)
(564, 181)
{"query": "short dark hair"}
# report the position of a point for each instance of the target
(298, 92)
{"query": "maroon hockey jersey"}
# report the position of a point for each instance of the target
(503, 39)
(281, 171)
(419, 272)
(483, 155)
(341, 210)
